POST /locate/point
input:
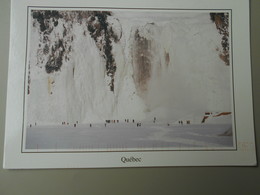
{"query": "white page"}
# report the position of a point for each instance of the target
(126, 84)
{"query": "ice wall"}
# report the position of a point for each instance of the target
(118, 65)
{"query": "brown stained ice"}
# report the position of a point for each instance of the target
(142, 62)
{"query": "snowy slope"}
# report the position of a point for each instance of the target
(161, 64)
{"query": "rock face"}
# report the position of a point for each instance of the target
(59, 49)
(222, 24)
(89, 66)
(102, 32)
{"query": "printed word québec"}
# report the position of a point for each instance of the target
(130, 159)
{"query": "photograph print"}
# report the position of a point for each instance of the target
(128, 80)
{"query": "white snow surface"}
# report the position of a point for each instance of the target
(128, 137)
(194, 81)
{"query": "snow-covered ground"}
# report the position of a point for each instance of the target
(127, 136)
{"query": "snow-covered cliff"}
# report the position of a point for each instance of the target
(89, 66)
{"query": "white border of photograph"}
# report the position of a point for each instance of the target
(243, 155)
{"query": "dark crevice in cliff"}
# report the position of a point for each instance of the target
(56, 58)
